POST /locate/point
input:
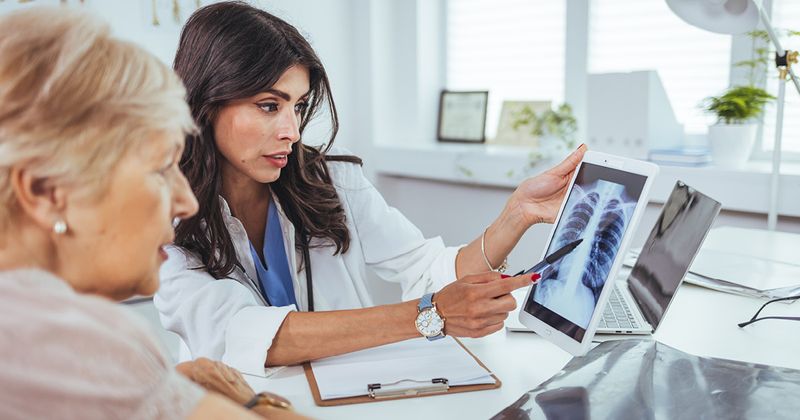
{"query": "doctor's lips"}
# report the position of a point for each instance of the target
(278, 159)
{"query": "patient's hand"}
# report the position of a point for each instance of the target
(223, 379)
(217, 377)
(538, 199)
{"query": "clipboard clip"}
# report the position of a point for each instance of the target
(407, 388)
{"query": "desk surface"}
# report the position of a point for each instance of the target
(700, 322)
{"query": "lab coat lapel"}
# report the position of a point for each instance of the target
(241, 245)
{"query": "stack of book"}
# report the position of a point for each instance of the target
(680, 157)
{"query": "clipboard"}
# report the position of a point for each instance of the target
(384, 392)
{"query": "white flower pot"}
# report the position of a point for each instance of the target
(731, 144)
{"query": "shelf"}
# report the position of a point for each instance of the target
(743, 189)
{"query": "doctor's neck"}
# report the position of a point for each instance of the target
(242, 192)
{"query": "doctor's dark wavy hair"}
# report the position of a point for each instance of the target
(230, 51)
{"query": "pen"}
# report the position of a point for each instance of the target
(550, 259)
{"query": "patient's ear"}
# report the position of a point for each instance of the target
(38, 198)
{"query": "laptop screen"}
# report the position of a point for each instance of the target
(676, 238)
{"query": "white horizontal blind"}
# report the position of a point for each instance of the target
(627, 35)
(512, 48)
(785, 15)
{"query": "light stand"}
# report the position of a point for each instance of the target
(736, 17)
(783, 62)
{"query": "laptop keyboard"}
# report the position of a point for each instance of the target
(618, 314)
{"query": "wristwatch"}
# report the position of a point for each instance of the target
(429, 323)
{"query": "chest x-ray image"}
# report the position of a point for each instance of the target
(598, 210)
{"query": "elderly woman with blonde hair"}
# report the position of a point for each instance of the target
(91, 131)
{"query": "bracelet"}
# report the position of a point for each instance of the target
(503, 266)
(270, 399)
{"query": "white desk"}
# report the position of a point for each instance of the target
(700, 321)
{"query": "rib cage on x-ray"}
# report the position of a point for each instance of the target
(598, 213)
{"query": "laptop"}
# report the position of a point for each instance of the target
(638, 305)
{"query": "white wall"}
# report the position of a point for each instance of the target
(327, 24)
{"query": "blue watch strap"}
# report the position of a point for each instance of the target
(425, 302)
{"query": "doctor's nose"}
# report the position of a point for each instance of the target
(289, 128)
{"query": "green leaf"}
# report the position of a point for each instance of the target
(738, 104)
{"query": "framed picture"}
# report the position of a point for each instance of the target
(462, 116)
(509, 129)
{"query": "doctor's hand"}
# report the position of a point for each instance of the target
(476, 305)
(538, 199)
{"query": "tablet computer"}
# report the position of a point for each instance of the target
(604, 202)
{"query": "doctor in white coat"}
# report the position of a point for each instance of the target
(273, 269)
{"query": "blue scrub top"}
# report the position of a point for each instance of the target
(275, 278)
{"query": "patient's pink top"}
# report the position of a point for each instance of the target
(70, 356)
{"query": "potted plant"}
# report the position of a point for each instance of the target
(737, 110)
(556, 127)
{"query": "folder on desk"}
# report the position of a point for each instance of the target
(411, 368)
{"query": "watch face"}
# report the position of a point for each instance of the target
(429, 323)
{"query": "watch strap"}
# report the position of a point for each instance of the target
(436, 337)
(425, 302)
(270, 399)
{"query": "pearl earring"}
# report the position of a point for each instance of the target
(60, 227)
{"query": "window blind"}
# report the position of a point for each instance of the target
(636, 35)
(512, 48)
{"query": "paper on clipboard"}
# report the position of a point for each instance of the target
(745, 270)
(769, 273)
(410, 363)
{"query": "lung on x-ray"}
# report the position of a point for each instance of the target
(598, 214)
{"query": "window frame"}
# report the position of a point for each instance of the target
(576, 53)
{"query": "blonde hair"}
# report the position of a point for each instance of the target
(74, 100)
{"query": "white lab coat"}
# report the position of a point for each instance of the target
(228, 320)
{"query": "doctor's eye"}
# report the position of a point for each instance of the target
(301, 107)
(268, 106)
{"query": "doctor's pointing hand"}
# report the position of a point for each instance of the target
(477, 305)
